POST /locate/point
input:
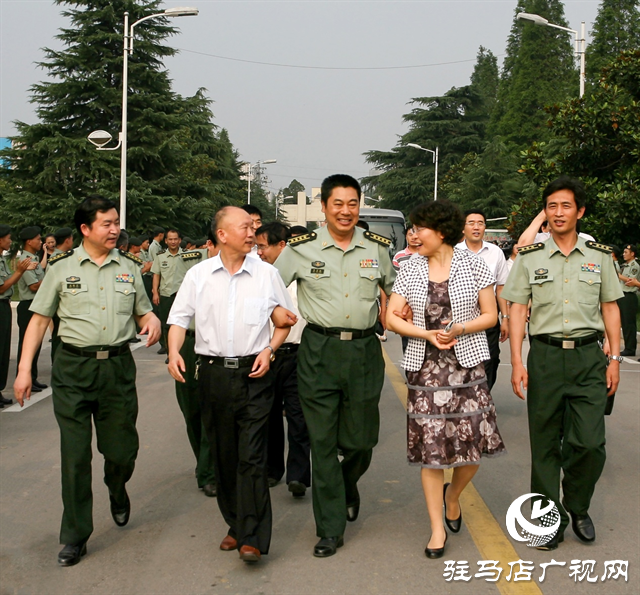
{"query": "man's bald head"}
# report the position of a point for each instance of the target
(233, 228)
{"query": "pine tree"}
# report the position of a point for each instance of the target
(539, 70)
(485, 78)
(616, 29)
(181, 168)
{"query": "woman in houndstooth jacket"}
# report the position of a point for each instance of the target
(451, 417)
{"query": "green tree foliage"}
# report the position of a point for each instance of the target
(616, 29)
(485, 78)
(181, 168)
(539, 70)
(598, 140)
(292, 190)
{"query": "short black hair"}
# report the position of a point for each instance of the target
(362, 224)
(200, 242)
(475, 212)
(252, 210)
(62, 235)
(50, 235)
(442, 216)
(276, 232)
(566, 183)
(338, 181)
(297, 230)
(89, 208)
(123, 241)
(156, 231)
(211, 234)
(173, 230)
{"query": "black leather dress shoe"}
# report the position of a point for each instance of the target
(120, 514)
(162, 351)
(40, 385)
(273, 482)
(552, 544)
(35, 389)
(297, 489)
(627, 353)
(582, 526)
(71, 554)
(438, 552)
(455, 524)
(4, 400)
(210, 490)
(327, 546)
(353, 510)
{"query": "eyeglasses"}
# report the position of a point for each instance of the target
(476, 224)
(417, 229)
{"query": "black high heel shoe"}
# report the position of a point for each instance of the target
(435, 553)
(456, 524)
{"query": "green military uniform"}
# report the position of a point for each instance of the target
(171, 268)
(340, 365)
(629, 307)
(26, 298)
(188, 395)
(5, 323)
(567, 391)
(93, 374)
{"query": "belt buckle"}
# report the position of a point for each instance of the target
(102, 354)
(568, 344)
(231, 362)
(346, 335)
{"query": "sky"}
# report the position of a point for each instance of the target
(349, 95)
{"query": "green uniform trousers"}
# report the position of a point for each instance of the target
(566, 399)
(83, 388)
(628, 305)
(163, 313)
(188, 395)
(339, 384)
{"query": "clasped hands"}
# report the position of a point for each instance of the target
(441, 338)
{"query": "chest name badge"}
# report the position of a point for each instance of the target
(74, 286)
(72, 279)
(369, 263)
(541, 273)
(317, 271)
(124, 278)
(589, 267)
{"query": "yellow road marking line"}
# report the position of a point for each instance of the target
(485, 531)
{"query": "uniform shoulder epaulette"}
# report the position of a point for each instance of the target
(130, 256)
(191, 255)
(305, 237)
(159, 252)
(597, 246)
(374, 237)
(61, 256)
(530, 248)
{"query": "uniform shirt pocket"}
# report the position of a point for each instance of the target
(318, 284)
(542, 290)
(589, 292)
(368, 285)
(125, 298)
(255, 311)
(74, 298)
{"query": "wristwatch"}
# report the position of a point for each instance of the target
(273, 353)
(618, 358)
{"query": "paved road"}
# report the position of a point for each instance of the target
(171, 542)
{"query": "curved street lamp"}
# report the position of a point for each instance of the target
(435, 160)
(580, 42)
(250, 167)
(99, 137)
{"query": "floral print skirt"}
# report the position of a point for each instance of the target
(451, 416)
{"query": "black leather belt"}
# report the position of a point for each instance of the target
(344, 334)
(107, 353)
(567, 343)
(229, 362)
(287, 348)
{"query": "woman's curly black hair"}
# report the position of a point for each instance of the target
(442, 216)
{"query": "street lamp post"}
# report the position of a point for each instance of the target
(250, 167)
(100, 138)
(580, 42)
(435, 160)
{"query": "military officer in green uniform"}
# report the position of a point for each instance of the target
(98, 294)
(629, 277)
(340, 270)
(28, 286)
(8, 279)
(573, 289)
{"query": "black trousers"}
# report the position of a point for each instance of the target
(628, 309)
(24, 316)
(286, 396)
(163, 310)
(5, 341)
(491, 365)
(235, 413)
